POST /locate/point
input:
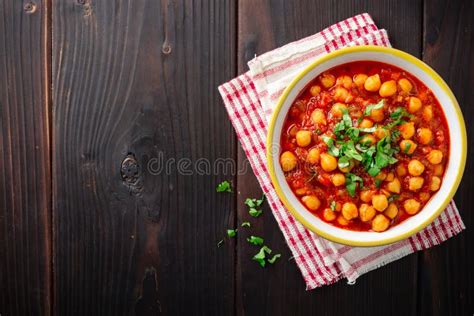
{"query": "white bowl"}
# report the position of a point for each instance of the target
(457, 150)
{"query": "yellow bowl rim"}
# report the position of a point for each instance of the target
(420, 64)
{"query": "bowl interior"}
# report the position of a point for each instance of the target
(454, 167)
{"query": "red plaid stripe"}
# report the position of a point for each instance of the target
(321, 262)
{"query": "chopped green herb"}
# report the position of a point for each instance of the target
(274, 258)
(245, 224)
(254, 240)
(407, 148)
(254, 212)
(260, 256)
(254, 202)
(332, 149)
(332, 205)
(351, 183)
(224, 186)
(370, 107)
(220, 242)
(393, 197)
(231, 232)
(378, 183)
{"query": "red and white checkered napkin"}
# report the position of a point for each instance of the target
(250, 99)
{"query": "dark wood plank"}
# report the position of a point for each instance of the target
(280, 290)
(25, 180)
(136, 81)
(447, 285)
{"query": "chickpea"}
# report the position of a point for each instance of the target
(327, 80)
(338, 109)
(415, 167)
(315, 90)
(377, 115)
(381, 133)
(372, 83)
(408, 146)
(391, 211)
(349, 168)
(411, 206)
(401, 170)
(342, 221)
(338, 207)
(288, 161)
(435, 156)
(341, 94)
(366, 212)
(435, 183)
(318, 117)
(381, 176)
(407, 130)
(388, 88)
(360, 79)
(366, 123)
(380, 223)
(311, 201)
(424, 136)
(338, 179)
(427, 113)
(303, 138)
(329, 215)
(366, 195)
(301, 191)
(344, 81)
(313, 156)
(349, 210)
(328, 162)
(394, 186)
(390, 177)
(415, 183)
(414, 105)
(405, 85)
(368, 140)
(380, 202)
(424, 196)
(438, 170)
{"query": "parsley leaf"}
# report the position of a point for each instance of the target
(260, 256)
(254, 240)
(231, 232)
(407, 148)
(274, 258)
(351, 183)
(378, 183)
(254, 212)
(332, 149)
(370, 107)
(245, 224)
(224, 186)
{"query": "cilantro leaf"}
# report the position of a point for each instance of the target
(250, 202)
(231, 232)
(224, 186)
(245, 224)
(378, 183)
(254, 240)
(254, 212)
(351, 183)
(260, 256)
(274, 258)
(407, 148)
(259, 202)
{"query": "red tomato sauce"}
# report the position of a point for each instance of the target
(345, 85)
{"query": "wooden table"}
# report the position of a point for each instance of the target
(93, 91)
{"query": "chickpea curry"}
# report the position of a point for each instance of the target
(364, 146)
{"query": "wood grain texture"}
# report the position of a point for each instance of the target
(279, 290)
(137, 80)
(25, 182)
(447, 285)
